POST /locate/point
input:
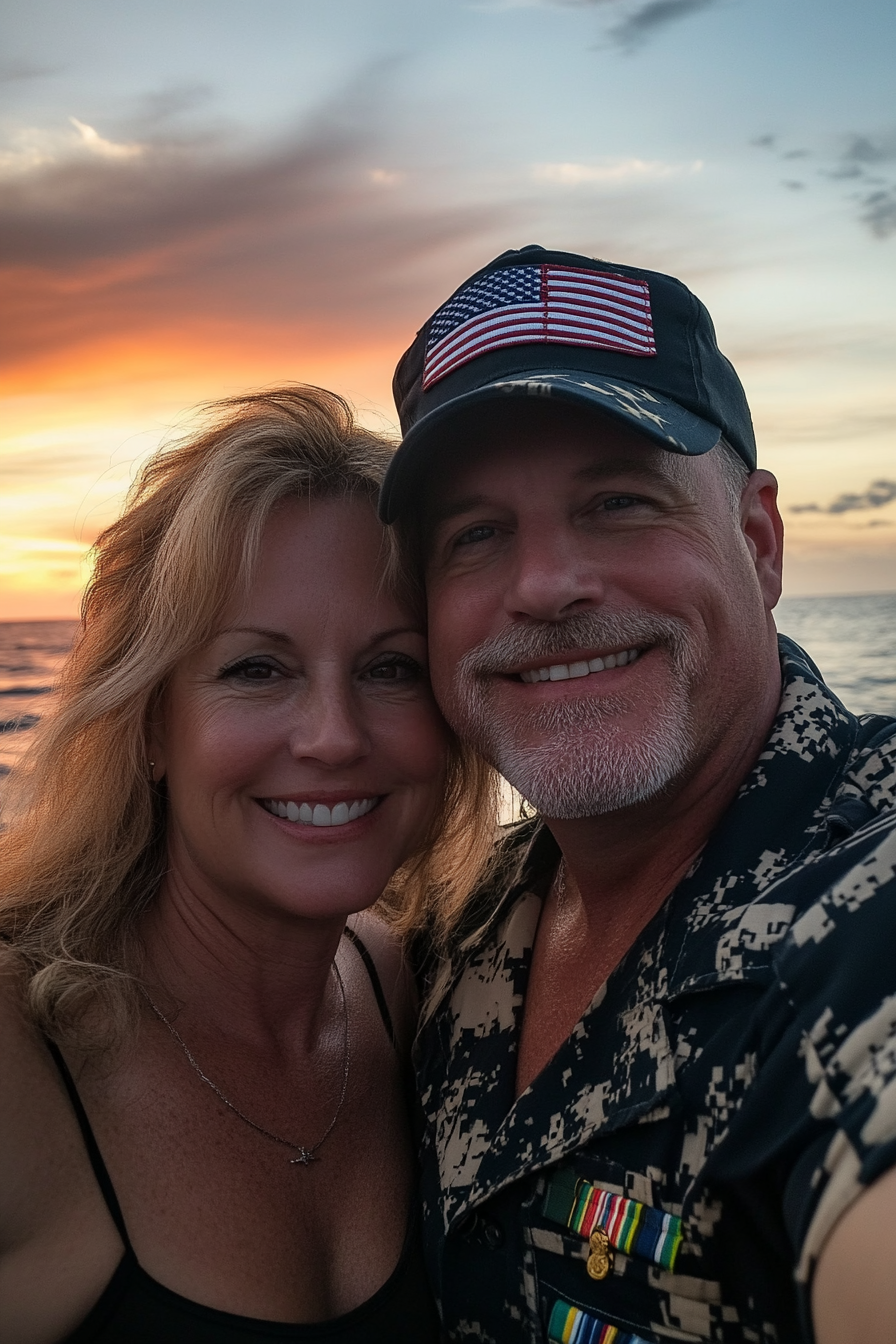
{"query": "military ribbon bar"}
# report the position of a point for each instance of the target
(631, 1227)
(570, 1325)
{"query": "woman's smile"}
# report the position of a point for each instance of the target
(310, 813)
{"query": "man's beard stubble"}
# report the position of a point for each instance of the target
(582, 764)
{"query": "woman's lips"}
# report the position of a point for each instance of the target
(320, 814)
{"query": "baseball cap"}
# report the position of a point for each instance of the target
(628, 343)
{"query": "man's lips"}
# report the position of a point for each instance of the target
(578, 666)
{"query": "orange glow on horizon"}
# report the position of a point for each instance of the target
(78, 422)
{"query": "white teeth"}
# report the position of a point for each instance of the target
(566, 671)
(320, 814)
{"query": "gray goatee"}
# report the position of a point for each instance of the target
(573, 759)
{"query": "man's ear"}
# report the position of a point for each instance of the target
(763, 531)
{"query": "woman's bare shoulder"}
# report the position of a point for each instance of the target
(19, 1041)
(29, 1082)
(31, 1101)
(393, 970)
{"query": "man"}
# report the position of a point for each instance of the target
(650, 1088)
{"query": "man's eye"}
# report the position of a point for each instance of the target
(620, 502)
(395, 668)
(251, 669)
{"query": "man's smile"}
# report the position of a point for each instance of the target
(581, 667)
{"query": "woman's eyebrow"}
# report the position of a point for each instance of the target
(382, 635)
(276, 636)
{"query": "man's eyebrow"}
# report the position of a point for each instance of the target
(444, 511)
(623, 466)
(453, 508)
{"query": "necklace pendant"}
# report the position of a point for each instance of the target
(305, 1156)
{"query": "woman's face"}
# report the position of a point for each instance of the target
(303, 752)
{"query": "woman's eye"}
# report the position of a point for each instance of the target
(395, 669)
(481, 532)
(252, 670)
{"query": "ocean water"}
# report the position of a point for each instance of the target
(31, 653)
(852, 639)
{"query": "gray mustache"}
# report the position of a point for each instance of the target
(549, 639)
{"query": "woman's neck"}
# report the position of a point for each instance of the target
(263, 976)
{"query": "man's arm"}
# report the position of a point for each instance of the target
(854, 1292)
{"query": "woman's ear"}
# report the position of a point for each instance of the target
(155, 747)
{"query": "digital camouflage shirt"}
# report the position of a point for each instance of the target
(671, 1173)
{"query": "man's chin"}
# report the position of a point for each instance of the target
(573, 779)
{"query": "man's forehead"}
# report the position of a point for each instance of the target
(485, 470)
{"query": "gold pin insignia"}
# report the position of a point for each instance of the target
(600, 1261)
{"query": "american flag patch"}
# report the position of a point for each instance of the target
(551, 305)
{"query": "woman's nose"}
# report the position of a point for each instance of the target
(330, 728)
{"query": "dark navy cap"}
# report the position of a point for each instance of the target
(635, 345)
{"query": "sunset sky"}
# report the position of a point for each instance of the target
(199, 196)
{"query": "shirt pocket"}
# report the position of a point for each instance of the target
(604, 1246)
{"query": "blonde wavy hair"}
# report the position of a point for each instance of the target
(84, 850)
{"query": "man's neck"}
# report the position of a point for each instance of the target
(618, 870)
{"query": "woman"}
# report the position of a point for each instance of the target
(203, 1132)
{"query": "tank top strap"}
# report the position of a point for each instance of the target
(103, 1179)
(369, 965)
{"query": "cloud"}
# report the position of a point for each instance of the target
(859, 152)
(643, 22)
(636, 22)
(18, 72)
(97, 144)
(876, 496)
(163, 105)
(33, 148)
(865, 165)
(869, 161)
(99, 239)
(610, 171)
(879, 212)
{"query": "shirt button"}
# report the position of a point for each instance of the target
(492, 1235)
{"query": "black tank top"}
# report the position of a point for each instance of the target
(136, 1309)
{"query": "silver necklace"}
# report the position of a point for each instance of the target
(303, 1155)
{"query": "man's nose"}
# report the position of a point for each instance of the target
(330, 728)
(552, 575)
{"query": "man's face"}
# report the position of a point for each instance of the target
(599, 613)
